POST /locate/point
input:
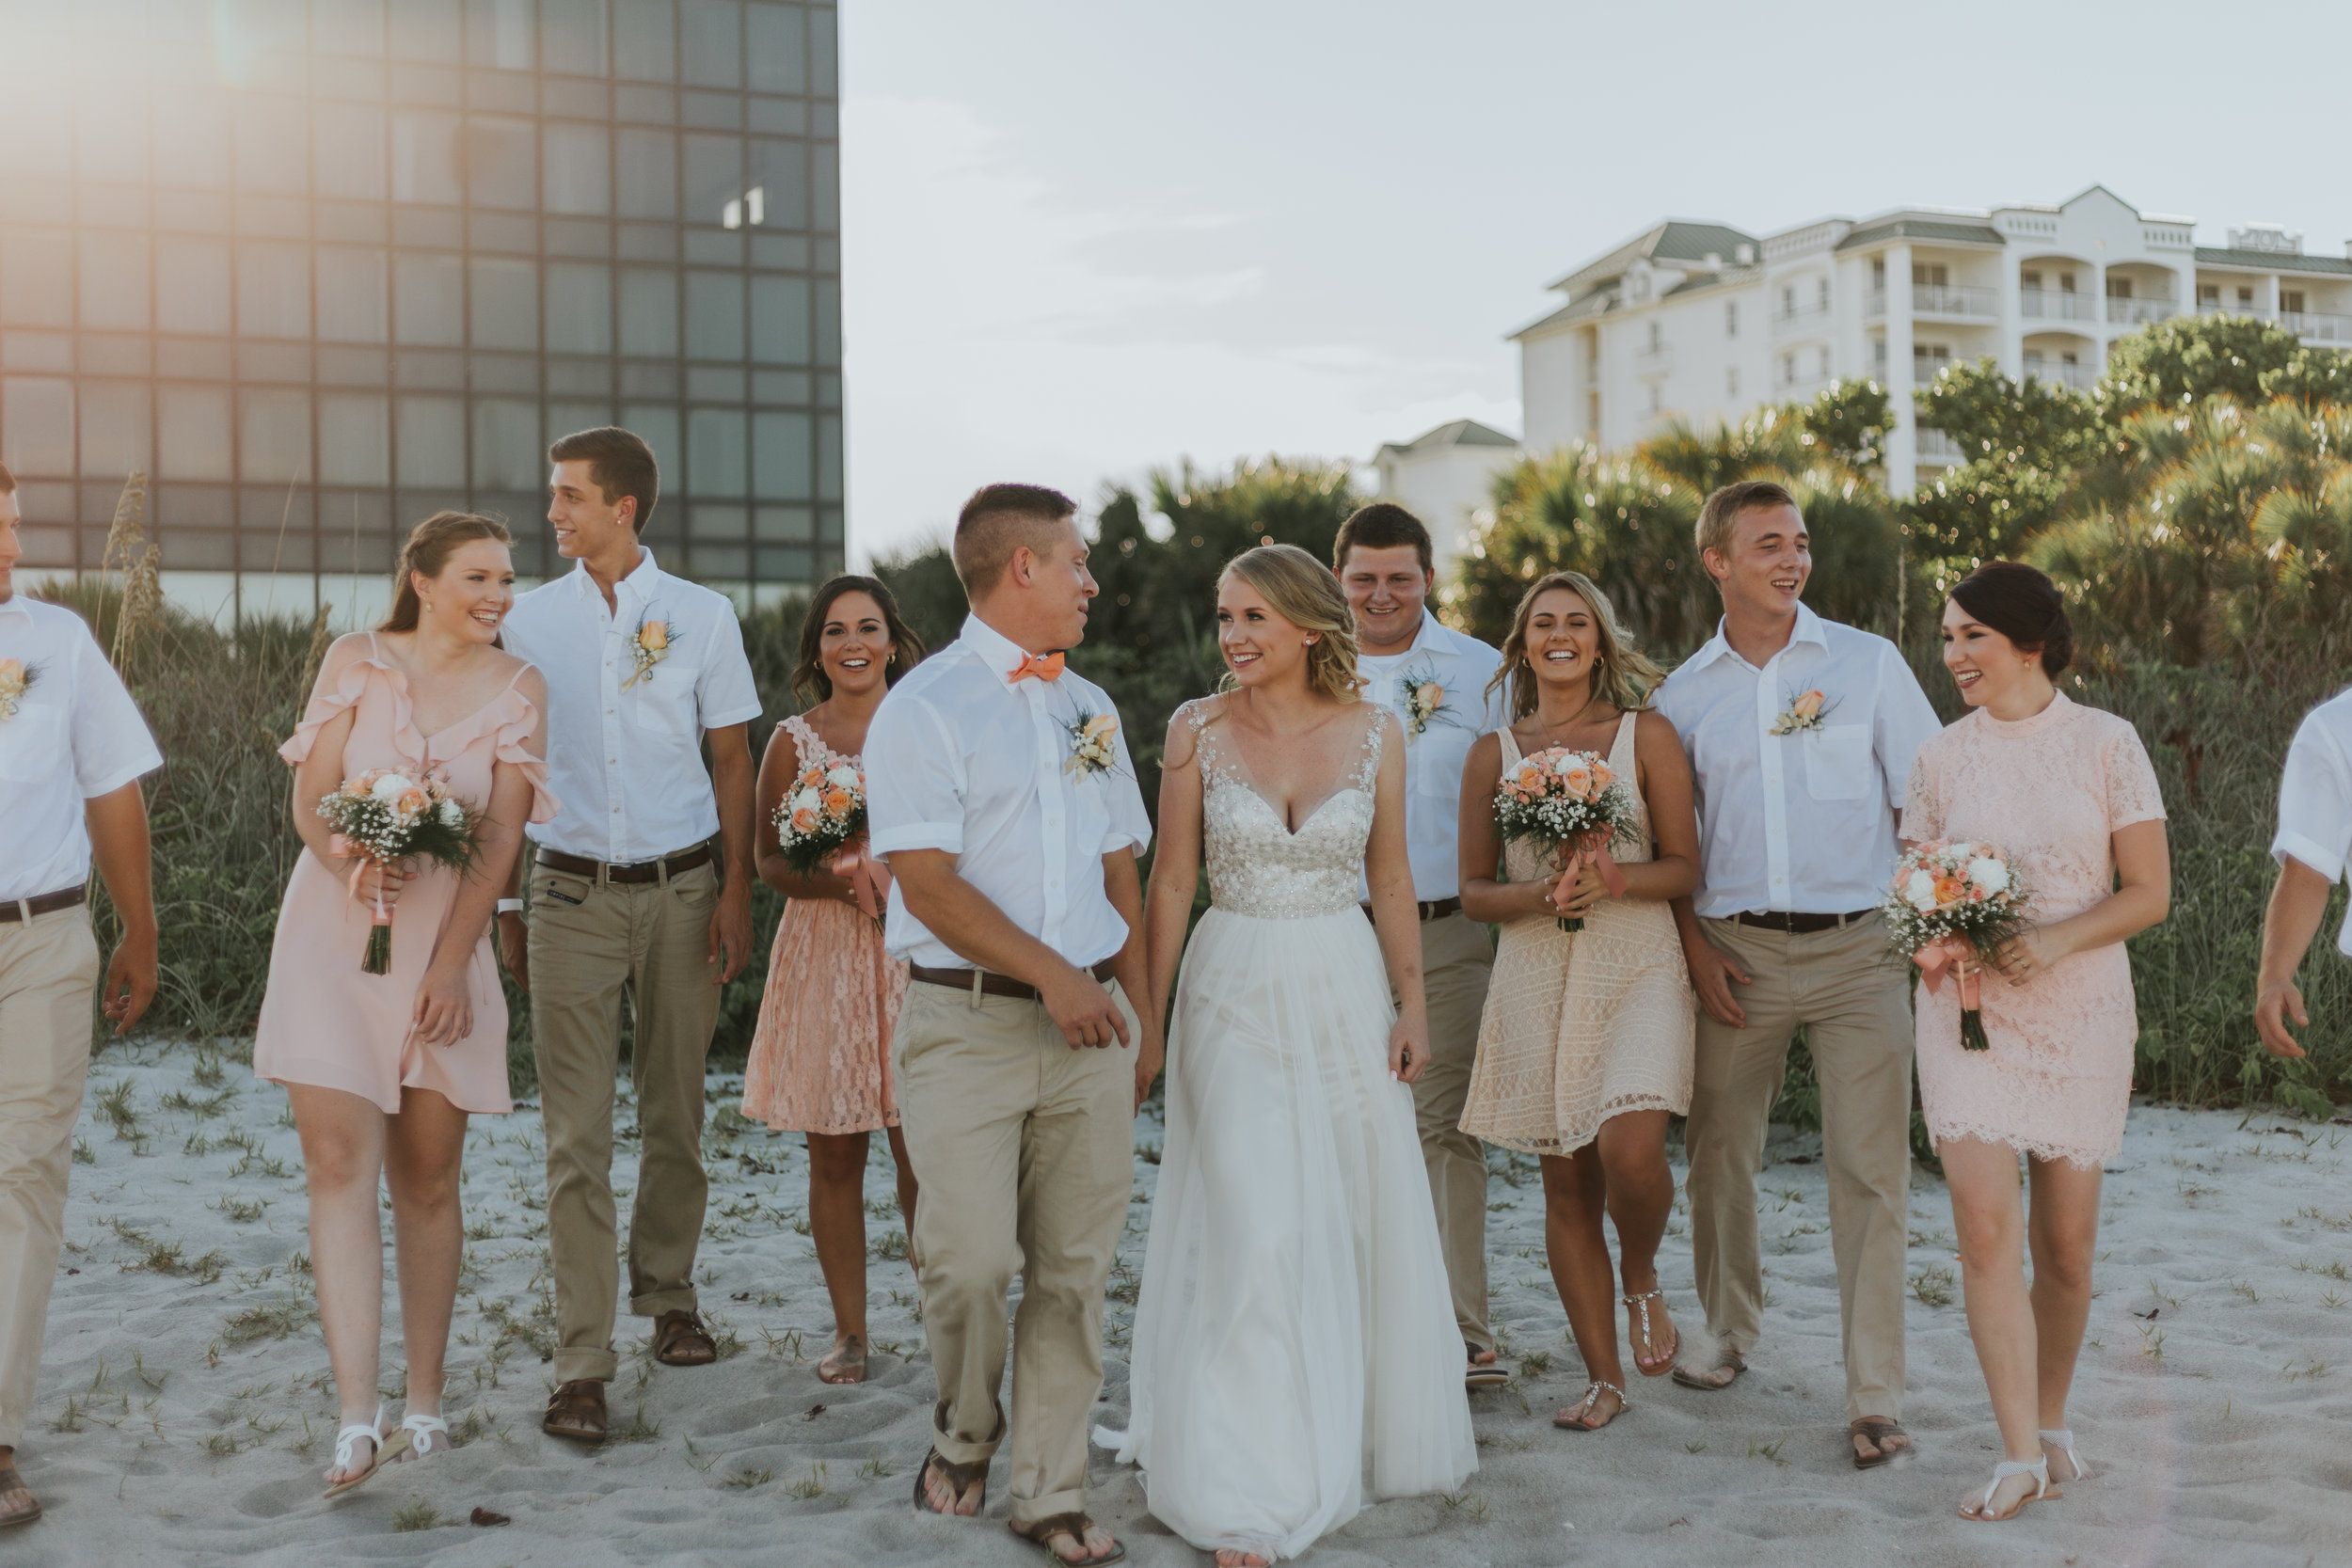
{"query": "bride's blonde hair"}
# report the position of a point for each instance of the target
(1302, 591)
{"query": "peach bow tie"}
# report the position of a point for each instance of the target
(1046, 667)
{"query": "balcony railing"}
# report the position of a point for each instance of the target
(2080, 377)
(2060, 305)
(1936, 447)
(1798, 317)
(2313, 326)
(1938, 299)
(2135, 309)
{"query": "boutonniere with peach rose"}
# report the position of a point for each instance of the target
(1424, 701)
(1093, 743)
(1804, 711)
(649, 647)
(16, 678)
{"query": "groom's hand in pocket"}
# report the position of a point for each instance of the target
(1083, 1010)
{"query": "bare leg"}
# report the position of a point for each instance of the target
(836, 1217)
(1641, 1191)
(1988, 1216)
(2063, 1233)
(1575, 1197)
(424, 1148)
(342, 1152)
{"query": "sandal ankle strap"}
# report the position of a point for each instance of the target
(2038, 1469)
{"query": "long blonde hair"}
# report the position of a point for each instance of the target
(1622, 675)
(1302, 591)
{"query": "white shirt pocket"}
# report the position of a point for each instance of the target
(665, 702)
(32, 744)
(1837, 764)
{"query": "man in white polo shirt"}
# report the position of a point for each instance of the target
(2314, 850)
(1018, 1056)
(72, 750)
(1435, 678)
(625, 894)
(1798, 806)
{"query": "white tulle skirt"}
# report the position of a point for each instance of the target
(1295, 1347)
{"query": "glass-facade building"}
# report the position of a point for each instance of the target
(320, 267)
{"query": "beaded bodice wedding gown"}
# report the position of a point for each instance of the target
(1294, 1348)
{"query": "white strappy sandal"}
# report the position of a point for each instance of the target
(1584, 1407)
(2038, 1469)
(2065, 1442)
(427, 1435)
(387, 1449)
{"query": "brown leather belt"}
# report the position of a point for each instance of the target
(47, 903)
(989, 983)
(643, 871)
(1431, 909)
(1800, 925)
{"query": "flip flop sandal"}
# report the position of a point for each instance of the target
(1982, 1512)
(347, 1449)
(9, 1480)
(1584, 1407)
(1041, 1532)
(1878, 1429)
(960, 1478)
(1730, 1358)
(1666, 1363)
(1489, 1375)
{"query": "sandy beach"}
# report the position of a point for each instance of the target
(183, 1413)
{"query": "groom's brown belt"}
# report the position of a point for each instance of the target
(643, 871)
(1431, 909)
(1799, 924)
(989, 983)
(47, 903)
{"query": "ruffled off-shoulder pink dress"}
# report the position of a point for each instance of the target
(325, 1022)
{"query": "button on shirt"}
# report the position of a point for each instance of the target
(961, 758)
(77, 736)
(1434, 758)
(1803, 823)
(2315, 796)
(625, 756)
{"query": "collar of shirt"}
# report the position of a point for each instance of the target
(639, 586)
(1001, 654)
(14, 605)
(1808, 629)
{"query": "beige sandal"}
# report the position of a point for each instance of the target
(1982, 1512)
(1661, 1362)
(1584, 1407)
(387, 1448)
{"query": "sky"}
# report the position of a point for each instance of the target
(1083, 239)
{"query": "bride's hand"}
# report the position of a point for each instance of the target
(1408, 1049)
(1574, 898)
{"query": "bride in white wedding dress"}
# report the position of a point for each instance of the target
(1294, 1349)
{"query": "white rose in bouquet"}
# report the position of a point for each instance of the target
(390, 787)
(1990, 874)
(1920, 890)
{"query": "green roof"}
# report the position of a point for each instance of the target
(1456, 433)
(2273, 260)
(1697, 241)
(1919, 228)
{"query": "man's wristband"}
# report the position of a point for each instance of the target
(510, 905)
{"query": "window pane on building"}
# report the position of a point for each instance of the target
(191, 143)
(499, 35)
(649, 174)
(783, 457)
(825, 187)
(780, 320)
(827, 322)
(711, 35)
(780, 169)
(431, 440)
(192, 433)
(714, 175)
(273, 290)
(191, 286)
(425, 162)
(273, 437)
(428, 300)
(347, 151)
(354, 294)
(715, 454)
(579, 307)
(507, 452)
(645, 41)
(649, 311)
(656, 423)
(36, 277)
(505, 304)
(714, 316)
(349, 26)
(829, 457)
(577, 170)
(37, 426)
(501, 166)
(273, 146)
(355, 438)
(110, 132)
(775, 49)
(114, 281)
(571, 37)
(428, 30)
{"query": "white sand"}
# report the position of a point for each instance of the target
(2219, 1431)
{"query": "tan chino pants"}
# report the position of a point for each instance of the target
(1457, 959)
(1855, 1007)
(48, 971)
(589, 941)
(1026, 1152)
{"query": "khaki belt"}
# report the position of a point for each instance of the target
(1800, 925)
(643, 871)
(47, 903)
(1431, 909)
(988, 982)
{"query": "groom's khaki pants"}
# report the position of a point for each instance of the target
(48, 969)
(1457, 958)
(1026, 1152)
(1854, 1005)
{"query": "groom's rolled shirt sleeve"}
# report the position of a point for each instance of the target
(915, 779)
(2316, 802)
(1131, 825)
(1904, 722)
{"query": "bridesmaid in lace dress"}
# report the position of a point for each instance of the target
(1585, 1046)
(2067, 794)
(820, 1058)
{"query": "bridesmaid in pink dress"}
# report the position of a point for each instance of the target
(2066, 793)
(383, 1070)
(820, 1059)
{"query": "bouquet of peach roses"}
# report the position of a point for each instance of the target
(1571, 804)
(822, 817)
(1951, 903)
(385, 815)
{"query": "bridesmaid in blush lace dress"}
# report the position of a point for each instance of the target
(820, 1058)
(2067, 795)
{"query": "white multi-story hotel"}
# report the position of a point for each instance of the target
(1702, 323)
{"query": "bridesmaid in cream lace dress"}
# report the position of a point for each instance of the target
(1585, 1046)
(820, 1058)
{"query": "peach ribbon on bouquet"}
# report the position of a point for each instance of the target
(1591, 848)
(339, 845)
(1951, 953)
(868, 877)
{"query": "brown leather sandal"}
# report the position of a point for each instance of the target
(1875, 1430)
(11, 1481)
(960, 1477)
(679, 1339)
(576, 1410)
(1729, 1360)
(1041, 1532)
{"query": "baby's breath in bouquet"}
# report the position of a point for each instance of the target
(1951, 903)
(385, 815)
(1566, 801)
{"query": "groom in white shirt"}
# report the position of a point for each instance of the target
(1435, 679)
(2313, 849)
(1802, 734)
(1019, 1059)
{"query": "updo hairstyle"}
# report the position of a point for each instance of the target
(430, 545)
(2022, 604)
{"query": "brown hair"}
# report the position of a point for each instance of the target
(998, 520)
(1623, 676)
(1302, 591)
(620, 463)
(8, 480)
(1722, 509)
(809, 673)
(427, 551)
(2023, 605)
(1383, 525)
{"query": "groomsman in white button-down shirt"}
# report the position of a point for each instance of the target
(1802, 734)
(72, 750)
(1435, 678)
(2313, 849)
